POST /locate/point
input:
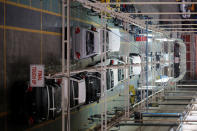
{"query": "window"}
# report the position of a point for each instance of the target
(89, 43)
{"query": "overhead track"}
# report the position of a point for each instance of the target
(166, 28)
(162, 13)
(172, 25)
(97, 6)
(164, 20)
(182, 31)
(147, 3)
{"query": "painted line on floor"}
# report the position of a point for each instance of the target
(29, 7)
(30, 30)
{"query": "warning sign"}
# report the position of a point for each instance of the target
(37, 75)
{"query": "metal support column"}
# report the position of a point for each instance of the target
(67, 102)
(146, 66)
(103, 43)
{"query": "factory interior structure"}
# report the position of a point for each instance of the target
(98, 65)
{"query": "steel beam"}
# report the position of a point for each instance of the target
(166, 28)
(148, 3)
(161, 13)
(167, 20)
(182, 31)
(186, 85)
(160, 25)
(148, 124)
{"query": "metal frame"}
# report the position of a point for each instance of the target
(148, 3)
(162, 13)
(67, 42)
(160, 25)
(126, 19)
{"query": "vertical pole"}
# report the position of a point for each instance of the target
(128, 78)
(101, 45)
(105, 86)
(63, 63)
(169, 61)
(128, 98)
(125, 89)
(5, 64)
(147, 66)
(68, 63)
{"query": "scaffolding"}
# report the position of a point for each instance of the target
(104, 11)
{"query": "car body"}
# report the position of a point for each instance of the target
(185, 8)
(86, 42)
(77, 90)
(135, 58)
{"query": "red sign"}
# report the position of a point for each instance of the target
(141, 38)
(37, 75)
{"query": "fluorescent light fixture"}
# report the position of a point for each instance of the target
(164, 39)
(149, 35)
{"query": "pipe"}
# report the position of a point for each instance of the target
(147, 65)
(63, 64)
(160, 13)
(187, 85)
(146, 3)
(161, 113)
(147, 124)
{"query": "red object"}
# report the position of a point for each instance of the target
(112, 62)
(83, 76)
(59, 81)
(31, 121)
(124, 6)
(93, 29)
(186, 39)
(29, 89)
(77, 30)
(141, 38)
(78, 55)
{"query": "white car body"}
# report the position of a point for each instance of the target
(86, 43)
(136, 59)
(135, 69)
(185, 9)
(115, 71)
(81, 90)
(81, 45)
(114, 40)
